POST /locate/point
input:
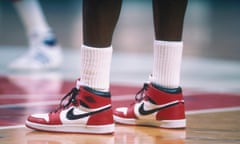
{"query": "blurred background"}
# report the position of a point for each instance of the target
(210, 73)
(211, 27)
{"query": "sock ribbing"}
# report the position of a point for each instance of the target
(167, 63)
(95, 67)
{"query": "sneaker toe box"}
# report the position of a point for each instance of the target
(125, 112)
(39, 118)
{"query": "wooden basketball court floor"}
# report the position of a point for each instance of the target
(211, 92)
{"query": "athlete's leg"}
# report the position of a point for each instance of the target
(168, 24)
(99, 20)
(32, 16)
(160, 102)
(42, 40)
(89, 106)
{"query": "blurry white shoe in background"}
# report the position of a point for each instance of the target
(44, 53)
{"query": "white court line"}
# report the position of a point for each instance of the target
(215, 110)
(54, 102)
(45, 103)
(11, 127)
(26, 96)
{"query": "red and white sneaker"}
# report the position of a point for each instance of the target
(154, 106)
(86, 111)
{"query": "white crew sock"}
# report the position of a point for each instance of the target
(32, 16)
(167, 63)
(95, 67)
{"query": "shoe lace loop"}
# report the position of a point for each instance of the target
(140, 94)
(72, 99)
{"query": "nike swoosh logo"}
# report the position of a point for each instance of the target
(142, 111)
(71, 116)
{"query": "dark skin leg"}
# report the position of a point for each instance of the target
(99, 20)
(168, 18)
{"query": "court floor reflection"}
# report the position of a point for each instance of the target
(123, 135)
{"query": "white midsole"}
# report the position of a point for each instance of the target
(77, 128)
(181, 123)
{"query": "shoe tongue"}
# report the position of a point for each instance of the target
(78, 84)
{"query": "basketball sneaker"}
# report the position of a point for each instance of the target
(154, 106)
(82, 110)
(44, 53)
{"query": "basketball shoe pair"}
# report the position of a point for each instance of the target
(44, 53)
(85, 110)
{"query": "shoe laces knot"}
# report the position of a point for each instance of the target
(71, 99)
(141, 93)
